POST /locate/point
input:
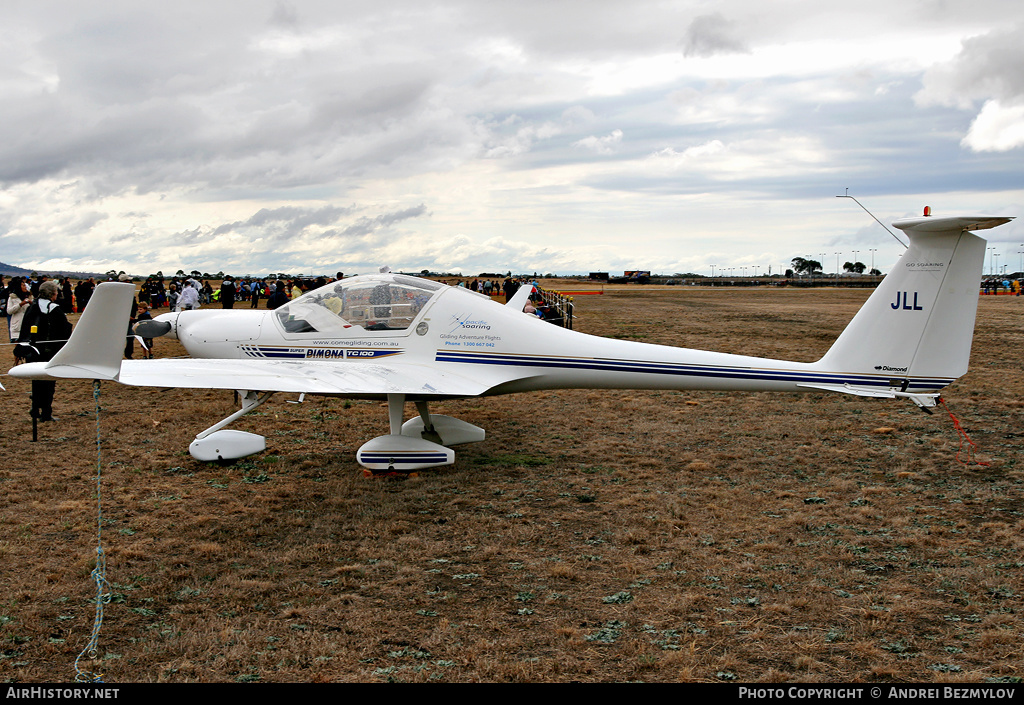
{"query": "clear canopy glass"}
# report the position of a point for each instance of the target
(376, 302)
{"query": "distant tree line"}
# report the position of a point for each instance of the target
(810, 266)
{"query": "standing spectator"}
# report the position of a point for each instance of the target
(227, 293)
(510, 287)
(43, 332)
(278, 298)
(18, 301)
(172, 297)
(147, 343)
(3, 302)
(87, 286)
(188, 299)
(129, 341)
(254, 293)
(66, 299)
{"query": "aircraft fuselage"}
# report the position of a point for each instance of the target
(514, 351)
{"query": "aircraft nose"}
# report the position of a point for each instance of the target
(202, 327)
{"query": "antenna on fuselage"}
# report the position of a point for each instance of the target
(847, 195)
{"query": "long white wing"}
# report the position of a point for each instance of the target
(348, 379)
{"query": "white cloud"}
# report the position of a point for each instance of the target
(744, 159)
(987, 70)
(600, 145)
(690, 154)
(997, 128)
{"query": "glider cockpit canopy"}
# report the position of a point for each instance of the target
(373, 302)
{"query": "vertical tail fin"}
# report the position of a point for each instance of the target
(97, 343)
(917, 326)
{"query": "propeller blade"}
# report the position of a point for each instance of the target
(152, 329)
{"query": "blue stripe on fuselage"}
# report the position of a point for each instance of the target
(677, 369)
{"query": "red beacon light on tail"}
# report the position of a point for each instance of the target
(927, 211)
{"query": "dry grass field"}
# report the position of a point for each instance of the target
(594, 536)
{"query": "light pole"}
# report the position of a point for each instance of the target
(872, 251)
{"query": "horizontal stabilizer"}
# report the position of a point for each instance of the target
(930, 224)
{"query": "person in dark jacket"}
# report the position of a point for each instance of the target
(43, 333)
(279, 297)
(227, 293)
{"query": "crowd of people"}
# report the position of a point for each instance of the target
(186, 293)
(997, 286)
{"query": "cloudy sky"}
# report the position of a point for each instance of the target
(554, 136)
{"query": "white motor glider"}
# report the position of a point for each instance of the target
(403, 338)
